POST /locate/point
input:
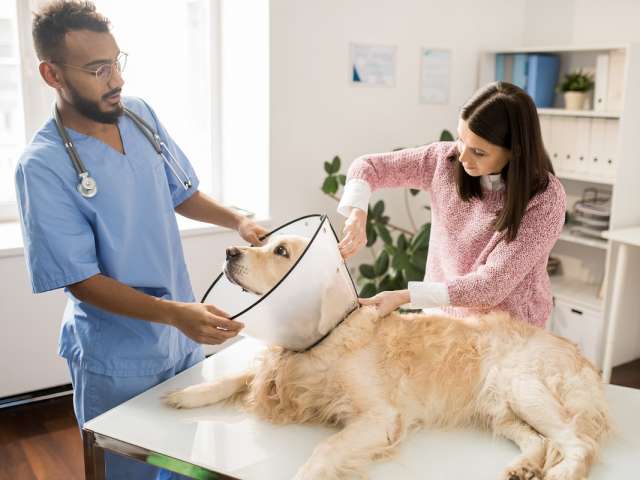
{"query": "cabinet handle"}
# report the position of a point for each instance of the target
(573, 310)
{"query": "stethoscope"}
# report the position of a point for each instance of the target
(87, 186)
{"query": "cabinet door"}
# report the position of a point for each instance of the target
(581, 326)
(597, 147)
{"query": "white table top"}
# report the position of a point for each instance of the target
(629, 236)
(228, 441)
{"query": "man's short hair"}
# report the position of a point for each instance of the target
(54, 20)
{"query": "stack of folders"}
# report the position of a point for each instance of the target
(590, 216)
(536, 73)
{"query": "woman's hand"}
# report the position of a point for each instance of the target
(387, 302)
(251, 231)
(355, 233)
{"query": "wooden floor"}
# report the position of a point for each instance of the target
(42, 440)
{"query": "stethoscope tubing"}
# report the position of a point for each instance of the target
(88, 186)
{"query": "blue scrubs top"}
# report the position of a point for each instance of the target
(128, 232)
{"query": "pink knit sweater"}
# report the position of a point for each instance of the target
(481, 270)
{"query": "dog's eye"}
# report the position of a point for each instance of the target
(281, 251)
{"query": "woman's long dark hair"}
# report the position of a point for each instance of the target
(505, 115)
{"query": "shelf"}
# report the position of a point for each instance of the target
(563, 112)
(567, 236)
(582, 177)
(562, 48)
(576, 292)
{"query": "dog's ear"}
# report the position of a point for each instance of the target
(336, 296)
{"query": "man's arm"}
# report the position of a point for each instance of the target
(200, 322)
(203, 208)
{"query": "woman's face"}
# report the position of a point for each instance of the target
(479, 157)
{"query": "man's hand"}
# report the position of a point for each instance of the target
(355, 233)
(251, 231)
(203, 323)
(387, 302)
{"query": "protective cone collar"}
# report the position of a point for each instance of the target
(307, 303)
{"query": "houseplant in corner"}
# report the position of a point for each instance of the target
(398, 255)
(575, 87)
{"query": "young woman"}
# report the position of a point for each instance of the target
(496, 210)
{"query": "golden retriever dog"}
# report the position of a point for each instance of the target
(377, 379)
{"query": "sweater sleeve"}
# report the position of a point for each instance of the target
(411, 167)
(509, 262)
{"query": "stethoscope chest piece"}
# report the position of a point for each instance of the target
(87, 186)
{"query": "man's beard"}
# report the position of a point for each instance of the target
(92, 110)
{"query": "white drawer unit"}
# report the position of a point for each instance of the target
(580, 325)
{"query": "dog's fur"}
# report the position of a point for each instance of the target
(379, 378)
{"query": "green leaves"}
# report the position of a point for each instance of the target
(446, 136)
(367, 271)
(369, 290)
(330, 185)
(333, 181)
(381, 264)
(333, 166)
(577, 81)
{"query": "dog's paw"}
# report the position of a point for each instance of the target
(177, 399)
(523, 471)
(190, 397)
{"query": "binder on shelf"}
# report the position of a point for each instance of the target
(615, 80)
(601, 80)
(500, 67)
(508, 68)
(519, 75)
(542, 78)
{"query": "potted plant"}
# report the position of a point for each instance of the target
(575, 87)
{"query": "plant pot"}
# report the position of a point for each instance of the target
(574, 100)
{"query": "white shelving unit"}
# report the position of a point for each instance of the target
(561, 112)
(590, 149)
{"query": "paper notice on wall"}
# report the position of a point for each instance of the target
(435, 76)
(373, 65)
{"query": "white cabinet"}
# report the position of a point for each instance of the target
(583, 326)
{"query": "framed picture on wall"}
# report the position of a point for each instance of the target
(435, 76)
(373, 65)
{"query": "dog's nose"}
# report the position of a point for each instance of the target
(233, 252)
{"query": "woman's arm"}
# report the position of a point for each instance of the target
(410, 168)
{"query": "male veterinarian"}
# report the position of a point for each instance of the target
(130, 321)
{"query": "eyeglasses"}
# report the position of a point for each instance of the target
(104, 72)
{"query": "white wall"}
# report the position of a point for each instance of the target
(316, 114)
(568, 22)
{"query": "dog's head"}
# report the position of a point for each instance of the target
(259, 269)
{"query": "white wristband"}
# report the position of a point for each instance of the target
(428, 294)
(356, 194)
